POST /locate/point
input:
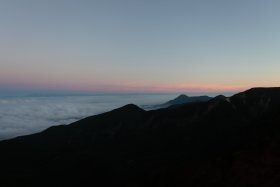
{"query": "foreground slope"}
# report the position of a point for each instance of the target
(223, 142)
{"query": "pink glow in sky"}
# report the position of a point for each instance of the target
(139, 46)
(130, 87)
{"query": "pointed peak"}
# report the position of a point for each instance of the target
(130, 107)
(183, 99)
(182, 96)
(220, 97)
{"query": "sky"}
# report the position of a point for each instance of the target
(139, 45)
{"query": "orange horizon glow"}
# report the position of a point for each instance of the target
(210, 88)
(136, 87)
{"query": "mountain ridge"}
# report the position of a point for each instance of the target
(183, 99)
(180, 100)
(218, 142)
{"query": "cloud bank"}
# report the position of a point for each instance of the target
(27, 115)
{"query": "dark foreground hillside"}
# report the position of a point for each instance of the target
(221, 142)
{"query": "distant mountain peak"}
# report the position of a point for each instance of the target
(182, 96)
(183, 99)
(220, 97)
(129, 108)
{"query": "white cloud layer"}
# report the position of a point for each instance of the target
(27, 115)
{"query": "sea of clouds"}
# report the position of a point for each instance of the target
(30, 114)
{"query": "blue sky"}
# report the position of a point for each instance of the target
(139, 46)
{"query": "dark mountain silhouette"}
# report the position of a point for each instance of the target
(230, 142)
(220, 97)
(181, 99)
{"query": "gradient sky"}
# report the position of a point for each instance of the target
(139, 45)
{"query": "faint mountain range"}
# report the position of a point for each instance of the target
(225, 141)
(181, 99)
